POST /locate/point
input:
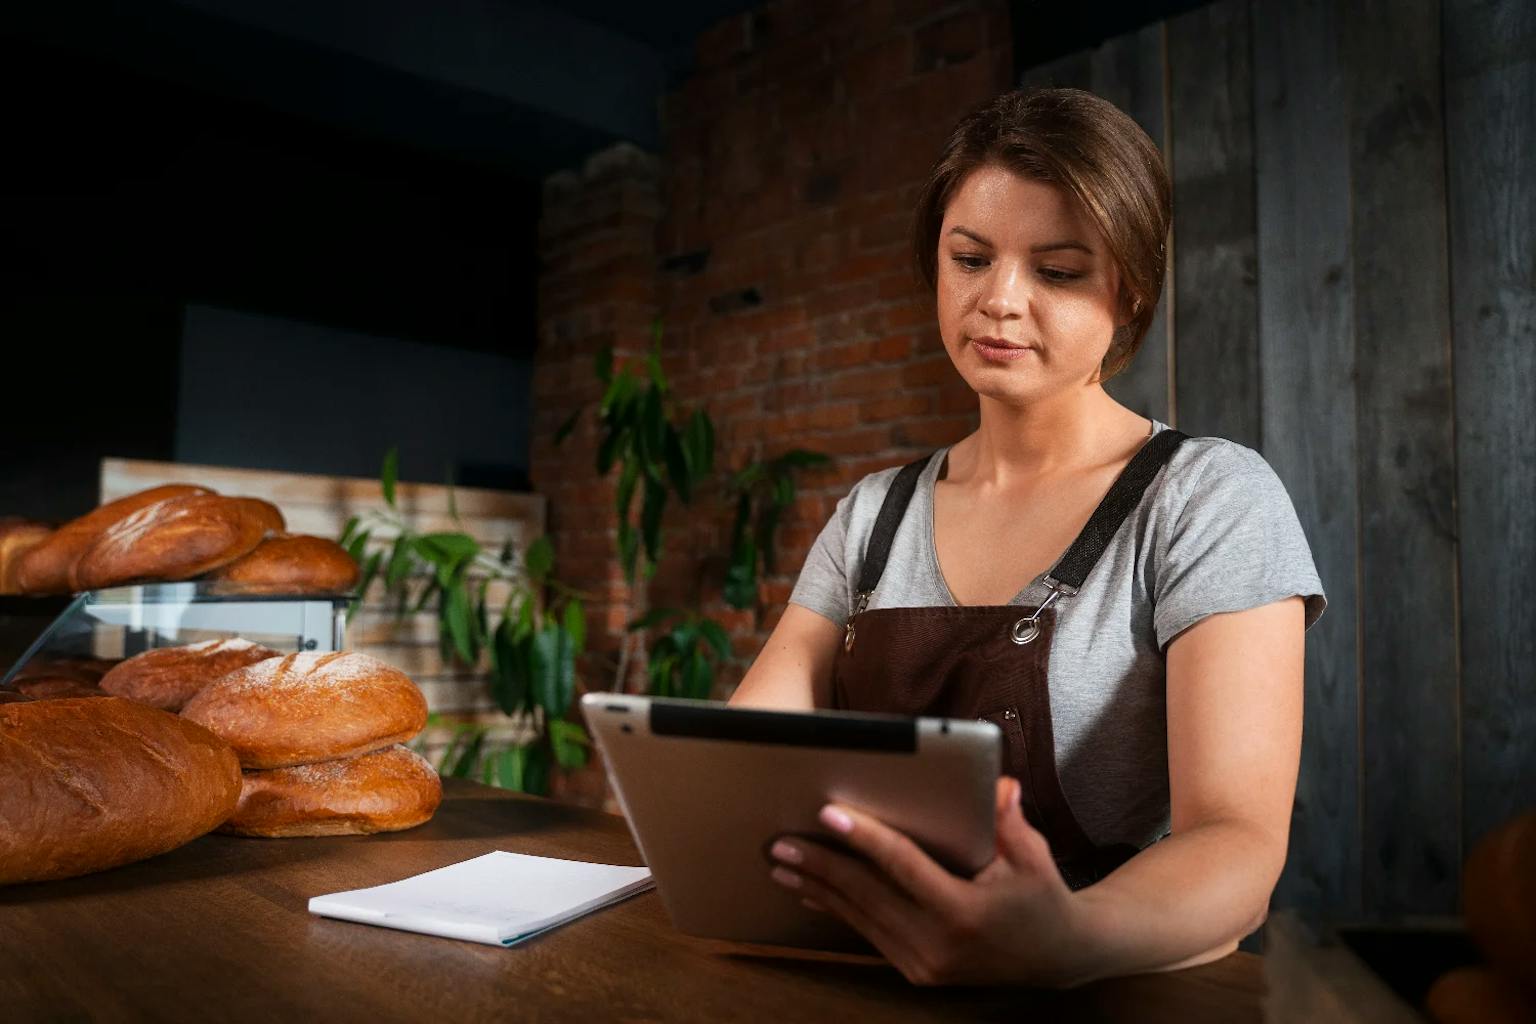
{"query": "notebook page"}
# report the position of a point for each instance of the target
(497, 898)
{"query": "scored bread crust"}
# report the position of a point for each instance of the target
(308, 707)
(291, 564)
(385, 791)
(91, 783)
(45, 568)
(168, 677)
(175, 539)
(17, 537)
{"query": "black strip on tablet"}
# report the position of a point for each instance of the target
(786, 728)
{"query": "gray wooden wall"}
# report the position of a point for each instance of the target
(1353, 293)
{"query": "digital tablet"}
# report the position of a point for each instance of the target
(707, 788)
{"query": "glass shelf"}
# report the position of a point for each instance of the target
(123, 621)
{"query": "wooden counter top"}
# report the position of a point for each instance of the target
(219, 930)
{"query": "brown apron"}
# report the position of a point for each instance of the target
(989, 662)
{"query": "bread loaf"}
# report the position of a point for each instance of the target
(17, 537)
(309, 707)
(291, 564)
(175, 539)
(45, 568)
(91, 784)
(385, 791)
(54, 687)
(168, 677)
(12, 696)
(74, 666)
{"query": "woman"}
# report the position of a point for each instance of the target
(1127, 604)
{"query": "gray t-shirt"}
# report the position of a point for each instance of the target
(1215, 532)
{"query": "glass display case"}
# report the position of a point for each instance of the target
(108, 625)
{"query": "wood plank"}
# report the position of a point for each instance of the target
(231, 940)
(1215, 266)
(121, 476)
(1411, 762)
(1129, 71)
(1306, 359)
(1490, 113)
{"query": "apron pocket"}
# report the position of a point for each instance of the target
(1015, 759)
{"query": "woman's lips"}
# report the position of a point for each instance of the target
(996, 351)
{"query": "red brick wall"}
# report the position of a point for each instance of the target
(793, 157)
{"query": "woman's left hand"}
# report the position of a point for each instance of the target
(1016, 921)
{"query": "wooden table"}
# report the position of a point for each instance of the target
(219, 930)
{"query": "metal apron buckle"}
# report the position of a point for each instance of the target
(1027, 629)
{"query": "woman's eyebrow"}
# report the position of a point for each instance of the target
(960, 229)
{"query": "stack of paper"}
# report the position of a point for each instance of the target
(499, 899)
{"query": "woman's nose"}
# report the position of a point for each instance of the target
(1007, 293)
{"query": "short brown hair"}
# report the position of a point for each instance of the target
(1088, 146)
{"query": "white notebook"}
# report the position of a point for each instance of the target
(499, 899)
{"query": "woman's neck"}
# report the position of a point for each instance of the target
(1067, 432)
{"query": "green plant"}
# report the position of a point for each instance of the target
(539, 630)
(763, 490)
(659, 447)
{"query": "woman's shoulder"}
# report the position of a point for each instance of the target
(1205, 467)
(869, 491)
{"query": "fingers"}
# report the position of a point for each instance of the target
(1018, 842)
(912, 870)
(891, 942)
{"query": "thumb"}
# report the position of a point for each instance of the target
(1019, 842)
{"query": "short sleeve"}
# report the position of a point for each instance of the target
(823, 584)
(1236, 544)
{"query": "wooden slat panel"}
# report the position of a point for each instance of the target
(1128, 71)
(1306, 357)
(1490, 97)
(1215, 274)
(1411, 841)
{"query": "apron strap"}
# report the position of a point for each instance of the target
(1119, 503)
(894, 507)
(1067, 575)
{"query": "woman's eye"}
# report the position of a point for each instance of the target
(1052, 274)
(971, 262)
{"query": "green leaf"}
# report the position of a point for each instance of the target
(608, 449)
(748, 475)
(767, 523)
(358, 546)
(388, 474)
(602, 363)
(569, 426)
(652, 507)
(427, 593)
(654, 617)
(562, 680)
(399, 562)
(697, 677)
(470, 755)
(456, 619)
(741, 578)
(449, 547)
(539, 558)
(575, 620)
(569, 742)
(629, 548)
(699, 443)
(801, 458)
(677, 464)
(544, 669)
(653, 367)
(652, 433)
(716, 636)
(346, 531)
(510, 667)
(536, 770)
(625, 493)
(511, 768)
(783, 491)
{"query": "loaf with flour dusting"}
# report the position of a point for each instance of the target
(309, 707)
(175, 539)
(46, 567)
(385, 791)
(168, 677)
(87, 784)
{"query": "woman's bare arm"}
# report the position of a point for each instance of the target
(794, 670)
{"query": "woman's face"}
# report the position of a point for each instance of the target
(1026, 288)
